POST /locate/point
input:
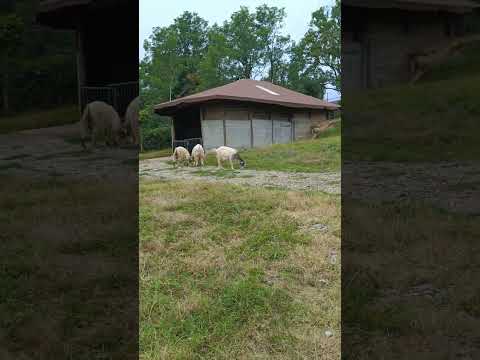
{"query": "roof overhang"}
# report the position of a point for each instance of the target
(69, 14)
(171, 107)
(61, 14)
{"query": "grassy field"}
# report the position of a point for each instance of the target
(322, 154)
(40, 119)
(65, 254)
(433, 120)
(228, 272)
(383, 309)
(155, 154)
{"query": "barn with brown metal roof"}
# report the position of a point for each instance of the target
(107, 49)
(243, 114)
(382, 39)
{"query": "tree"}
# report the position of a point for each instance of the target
(213, 68)
(11, 29)
(310, 80)
(244, 47)
(322, 44)
(173, 54)
(276, 47)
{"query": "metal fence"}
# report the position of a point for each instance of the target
(118, 95)
(187, 143)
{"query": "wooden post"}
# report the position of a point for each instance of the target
(202, 116)
(224, 126)
(81, 76)
(172, 131)
(250, 117)
(270, 118)
(292, 122)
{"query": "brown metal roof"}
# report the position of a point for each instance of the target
(248, 90)
(61, 14)
(52, 5)
(445, 5)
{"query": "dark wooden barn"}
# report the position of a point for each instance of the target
(107, 46)
(380, 39)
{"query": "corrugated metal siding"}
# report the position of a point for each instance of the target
(303, 126)
(262, 132)
(282, 129)
(212, 131)
(238, 133)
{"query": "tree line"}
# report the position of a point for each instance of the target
(190, 56)
(37, 64)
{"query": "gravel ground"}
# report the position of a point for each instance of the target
(56, 151)
(325, 182)
(447, 185)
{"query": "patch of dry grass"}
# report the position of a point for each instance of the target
(234, 272)
(411, 270)
(67, 249)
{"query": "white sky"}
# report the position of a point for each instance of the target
(155, 13)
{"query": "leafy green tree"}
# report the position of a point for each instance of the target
(11, 29)
(322, 44)
(214, 68)
(244, 47)
(276, 47)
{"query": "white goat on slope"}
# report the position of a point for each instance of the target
(225, 153)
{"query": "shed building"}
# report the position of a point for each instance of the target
(107, 48)
(380, 39)
(243, 114)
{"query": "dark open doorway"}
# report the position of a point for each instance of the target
(187, 124)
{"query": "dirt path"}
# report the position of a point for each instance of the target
(448, 185)
(325, 182)
(56, 151)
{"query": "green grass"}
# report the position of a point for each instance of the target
(66, 270)
(230, 272)
(461, 65)
(155, 154)
(318, 155)
(431, 121)
(432, 247)
(40, 119)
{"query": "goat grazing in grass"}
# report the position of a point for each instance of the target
(198, 155)
(131, 120)
(180, 155)
(100, 119)
(225, 153)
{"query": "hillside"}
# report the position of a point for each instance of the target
(432, 120)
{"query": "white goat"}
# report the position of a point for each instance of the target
(180, 155)
(131, 120)
(198, 155)
(225, 153)
(99, 118)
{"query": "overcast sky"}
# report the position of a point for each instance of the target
(155, 13)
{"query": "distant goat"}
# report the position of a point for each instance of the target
(131, 120)
(198, 155)
(100, 119)
(225, 153)
(180, 155)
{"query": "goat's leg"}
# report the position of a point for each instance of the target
(231, 163)
(93, 143)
